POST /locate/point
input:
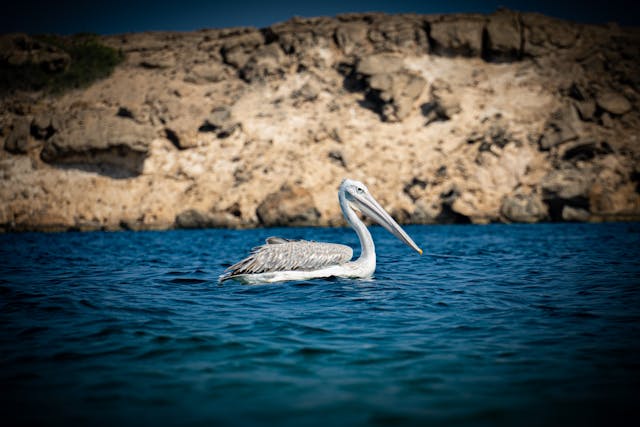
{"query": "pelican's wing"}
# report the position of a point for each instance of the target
(280, 254)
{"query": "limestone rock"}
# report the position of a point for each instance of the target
(570, 213)
(443, 105)
(291, 206)
(393, 90)
(560, 128)
(404, 33)
(307, 93)
(565, 184)
(381, 63)
(211, 72)
(108, 145)
(299, 36)
(17, 141)
(237, 50)
(504, 36)
(43, 126)
(266, 61)
(613, 102)
(462, 36)
(523, 208)
(221, 121)
(550, 133)
(351, 37)
(608, 202)
(159, 60)
(586, 109)
(543, 34)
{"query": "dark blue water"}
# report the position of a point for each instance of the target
(531, 325)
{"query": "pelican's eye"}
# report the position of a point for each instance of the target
(359, 190)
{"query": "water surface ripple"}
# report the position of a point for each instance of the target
(525, 325)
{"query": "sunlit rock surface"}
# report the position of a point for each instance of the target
(512, 117)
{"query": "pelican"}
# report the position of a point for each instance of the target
(283, 259)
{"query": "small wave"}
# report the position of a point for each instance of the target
(155, 353)
(314, 351)
(188, 281)
(107, 332)
(87, 303)
(34, 330)
(67, 356)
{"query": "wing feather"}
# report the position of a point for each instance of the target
(280, 254)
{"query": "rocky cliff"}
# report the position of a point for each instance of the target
(511, 117)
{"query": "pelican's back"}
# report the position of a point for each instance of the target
(280, 254)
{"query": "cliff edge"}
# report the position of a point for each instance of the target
(512, 117)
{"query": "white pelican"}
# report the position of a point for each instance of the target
(282, 259)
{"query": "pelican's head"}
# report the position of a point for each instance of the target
(358, 196)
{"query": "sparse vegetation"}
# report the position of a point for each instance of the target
(82, 59)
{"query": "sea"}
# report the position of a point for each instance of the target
(524, 325)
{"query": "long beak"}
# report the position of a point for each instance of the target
(371, 208)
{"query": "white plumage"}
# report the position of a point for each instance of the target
(282, 259)
(279, 254)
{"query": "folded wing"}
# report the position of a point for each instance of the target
(280, 254)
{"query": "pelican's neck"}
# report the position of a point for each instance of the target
(368, 254)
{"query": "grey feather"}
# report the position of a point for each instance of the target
(279, 254)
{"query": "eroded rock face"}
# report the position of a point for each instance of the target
(503, 34)
(108, 145)
(452, 36)
(391, 88)
(524, 208)
(17, 140)
(511, 117)
(290, 206)
(560, 128)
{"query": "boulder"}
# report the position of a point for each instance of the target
(566, 184)
(444, 103)
(97, 142)
(570, 213)
(266, 61)
(211, 72)
(181, 136)
(503, 36)
(237, 50)
(390, 33)
(394, 94)
(302, 35)
(457, 36)
(17, 141)
(351, 37)
(158, 60)
(543, 34)
(307, 93)
(43, 126)
(425, 212)
(380, 63)
(605, 201)
(192, 218)
(586, 109)
(523, 208)
(560, 128)
(291, 206)
(613, 102)
(221, 121)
